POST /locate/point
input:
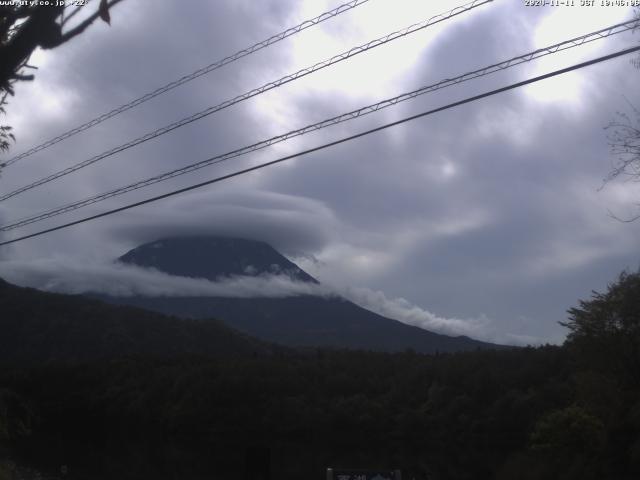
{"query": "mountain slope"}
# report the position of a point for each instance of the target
(293, 321)
(309, 321)
(37, 326)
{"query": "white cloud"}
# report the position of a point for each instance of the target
(286, 222)
(400, 309)
(65, 276)
(61, 275)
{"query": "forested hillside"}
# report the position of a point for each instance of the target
(38, 326)
(570, 412)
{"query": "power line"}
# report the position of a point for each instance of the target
(192, 76)
(330, 144)
(574, 42)
(252, 93)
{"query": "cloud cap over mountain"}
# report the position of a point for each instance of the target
(491, 210)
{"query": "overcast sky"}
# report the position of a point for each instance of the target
(488, 216)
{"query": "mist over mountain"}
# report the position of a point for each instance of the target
(297, 320)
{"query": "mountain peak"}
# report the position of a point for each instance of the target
(303, 320)
(213, 257)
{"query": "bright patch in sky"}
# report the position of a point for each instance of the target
(371, 73)
(563, 23)
(448, 170)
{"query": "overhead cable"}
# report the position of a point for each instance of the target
(252, 93)
(192, 76)
(527, 57)
(327, 145)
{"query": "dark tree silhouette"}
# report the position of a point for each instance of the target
(606, 329)
(624, 144)
(624, 141)
(25, 27)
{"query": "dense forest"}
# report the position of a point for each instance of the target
(569, 412)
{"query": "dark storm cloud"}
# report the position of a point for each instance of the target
(116, 65)
(521, 224)
(488, 212)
